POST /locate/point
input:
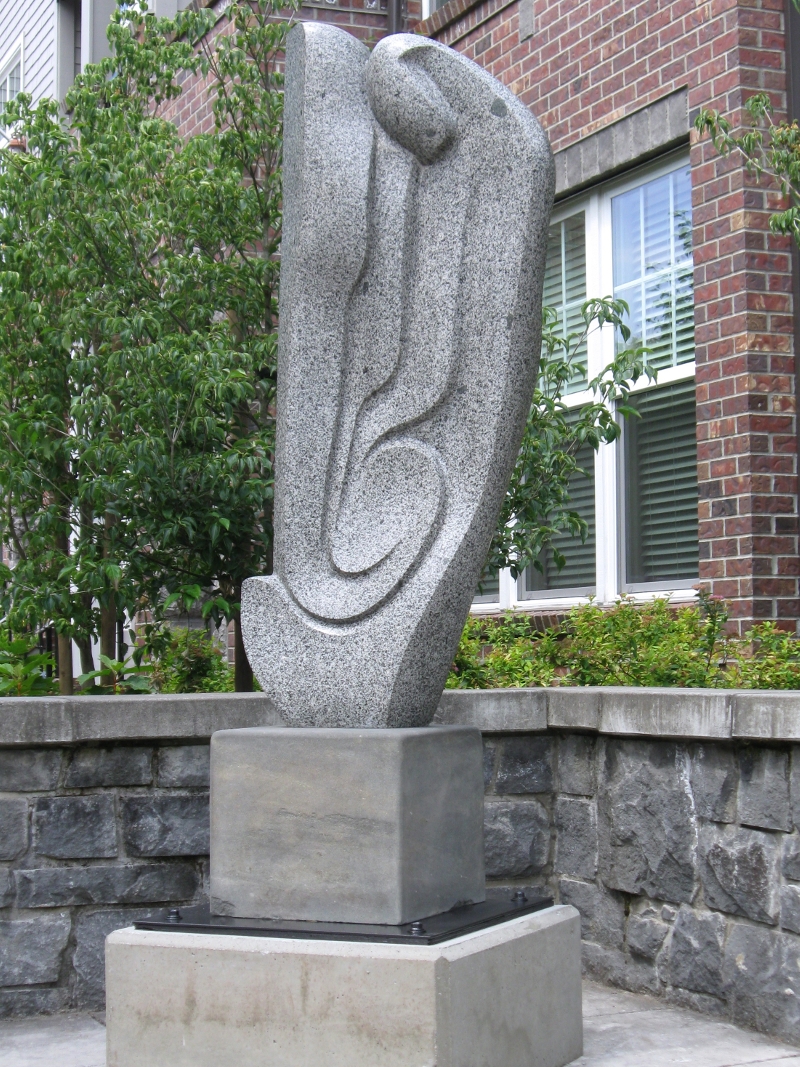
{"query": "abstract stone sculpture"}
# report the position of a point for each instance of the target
(417, 194)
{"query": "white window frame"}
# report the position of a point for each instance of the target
(16, 54)
(610, 581)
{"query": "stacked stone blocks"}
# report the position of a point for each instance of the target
(682, 858)
(91, 838)
(669, 818)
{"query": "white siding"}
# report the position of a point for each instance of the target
(34, 22)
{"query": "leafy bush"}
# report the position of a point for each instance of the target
(192, 663)
(630, 644)
(124, 676)
(775, 663)
(23, 669)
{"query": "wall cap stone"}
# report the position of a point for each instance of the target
(704, 713)
(494, 710)
(766, 714)
(26, 721)
(716, 714)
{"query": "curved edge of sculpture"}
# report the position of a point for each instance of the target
(417, 195)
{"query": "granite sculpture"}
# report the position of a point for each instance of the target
(417, 196)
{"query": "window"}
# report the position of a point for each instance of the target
(10, 85)
(633, 239)
(11, 82)
(661, 487)
(577, 576)
(429, 6)
(652, 253)
(488, 590)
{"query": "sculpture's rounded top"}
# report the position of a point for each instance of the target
(406, 100)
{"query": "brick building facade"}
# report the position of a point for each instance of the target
(369, 20)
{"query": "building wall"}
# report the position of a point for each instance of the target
(365, 19)
(34, 23)
(584, 66)
(46, 30)
(603, 66)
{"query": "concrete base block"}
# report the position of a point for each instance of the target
(509, 996)
(367, 826)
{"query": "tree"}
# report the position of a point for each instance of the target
(139, 280)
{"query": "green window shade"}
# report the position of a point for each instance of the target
(661, 486)
(488, 591)
(578, 573)
(565, 285)
(652, 254)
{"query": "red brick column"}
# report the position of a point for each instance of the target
(746, 430)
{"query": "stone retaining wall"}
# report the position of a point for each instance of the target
(103, 816)
(669, 818)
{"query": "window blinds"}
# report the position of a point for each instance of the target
(661, 486)
(652, 253)
(565, 285)
(488, 590)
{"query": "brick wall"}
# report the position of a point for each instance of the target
(588, 64)
(365, 19)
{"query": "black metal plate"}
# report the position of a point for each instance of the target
(500, 906)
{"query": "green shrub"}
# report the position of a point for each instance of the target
(774, 662)
(192, 663)
(123, 676)
(24, 670)
(630, 644)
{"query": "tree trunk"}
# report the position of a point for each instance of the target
(87, 659)
(64, 665)
(108, 612)
(108, 636)
(84, 642)
(63, 641)
(242, 671)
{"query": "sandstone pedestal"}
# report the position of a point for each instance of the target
(366, 826)
(508, 996)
